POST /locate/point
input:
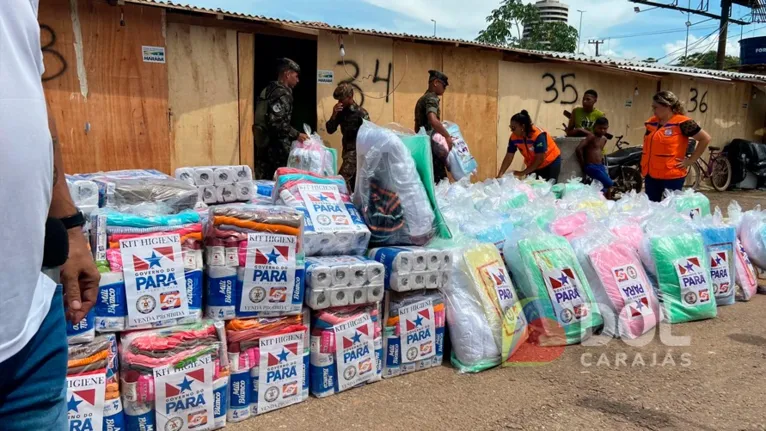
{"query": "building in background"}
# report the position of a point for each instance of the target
(550, 11)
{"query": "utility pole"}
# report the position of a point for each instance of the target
(597, 43)
(579, 32)
(434, 27)
(722, 35)
(688, 25)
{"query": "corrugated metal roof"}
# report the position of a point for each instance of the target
(627, 65)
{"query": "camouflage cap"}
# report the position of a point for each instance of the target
(435, 74)
(285, 63)
(343, 91)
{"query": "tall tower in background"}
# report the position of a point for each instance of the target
(550, 11)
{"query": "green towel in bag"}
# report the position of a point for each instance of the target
(559, 303)
(683, 274)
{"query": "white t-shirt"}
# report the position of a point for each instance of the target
(26, 177)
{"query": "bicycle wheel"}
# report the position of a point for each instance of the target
(721, 174)
(693, 177)
(631, 180)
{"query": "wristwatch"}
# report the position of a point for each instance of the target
(73, 221)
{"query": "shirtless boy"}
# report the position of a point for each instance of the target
(590, 155)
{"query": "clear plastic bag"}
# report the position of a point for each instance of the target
(586, 198)
(752, 234)
(676, 253)
(312, 155)
(389, 192)
(721, 245)
(460, 162)
(560, 306)
(620, 286)
(688, 202)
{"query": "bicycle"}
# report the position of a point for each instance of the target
(717, 169)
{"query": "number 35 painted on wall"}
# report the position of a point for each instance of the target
(564, 87)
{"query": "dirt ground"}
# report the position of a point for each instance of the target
(714, 380)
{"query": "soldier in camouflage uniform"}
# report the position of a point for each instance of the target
(349, 116)
(428, 115)
(273, 112)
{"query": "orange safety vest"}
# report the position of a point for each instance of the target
(663, 147)
(527, 147)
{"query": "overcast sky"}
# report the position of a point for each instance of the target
(612, 20)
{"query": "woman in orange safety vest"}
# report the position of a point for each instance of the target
(541, 154)
(664, 164)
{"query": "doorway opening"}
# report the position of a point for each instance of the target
(269, 48)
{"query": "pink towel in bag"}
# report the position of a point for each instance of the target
(627, 290)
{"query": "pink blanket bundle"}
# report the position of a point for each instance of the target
(630, 233)
(624, 291)
(570, 226)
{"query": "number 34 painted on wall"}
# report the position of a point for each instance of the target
(701, 104)
(564, 87)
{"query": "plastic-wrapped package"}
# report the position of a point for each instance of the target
(343, 280)
(628, 231)
(569, 224)
(269, 359)
(152, 269)
(633, 207)
(573, 184)
(146, 194)
(184, 369)
(106, 180)
(460, 162)
(312, 155)
(689, 202)
(346, 348)
(84, 194)
(747, 284)
(264, 188)
(93, 385)
(332, 225)
(625, 297)
(82, 331)
(561, 308)
(586, 198)
(220, 184)
(721, 243)
(682, 267)
(413, 268)
(752, 233)
(255, 261)
(389, 191)
(414, 332)
(540, 212)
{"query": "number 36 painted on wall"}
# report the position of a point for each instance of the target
(564, 87)
(701, 104)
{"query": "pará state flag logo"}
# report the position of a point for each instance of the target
(689, 266)
(423, 318)
(718, 260)
(289, 353)
(190, 378)
(640, 307)
(354, 349)
(501, 281)
(273, 255)
(321, 197)
(565, 295)
(85, 402)
(76, 398)
(153, 260)
(744, 254)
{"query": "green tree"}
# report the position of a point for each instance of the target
(506, 25)
(707, 60)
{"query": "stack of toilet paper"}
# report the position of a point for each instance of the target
(332, 224)
(220, 184)
(413, 268)
(255, 261)
(343, 280)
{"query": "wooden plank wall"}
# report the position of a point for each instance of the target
(471, 101)
(203, 95)
(363, 53)
(246, 61)
(110, 107)
(530, 86)
(412, 61)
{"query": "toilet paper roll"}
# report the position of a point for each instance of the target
(186, 175)
(446, 257)
(446, 278)
(341, 276)
(317, 299)
(224, 175)
(375, 293)
(338, 296)
(244, 190)
(344, 242)
(220, 289)
(419, 259)
(208, 194)
(243, 173)
(357, 295)
(203, 176)
(376, 273)
(418, 280)
(358, 274)
(318, 276)
(400, 282)
(433, 279)
(225, 193)
(433, 259)
(361, 241)
(318, 242)
(396, 259)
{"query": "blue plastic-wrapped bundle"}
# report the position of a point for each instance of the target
(721, 244)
